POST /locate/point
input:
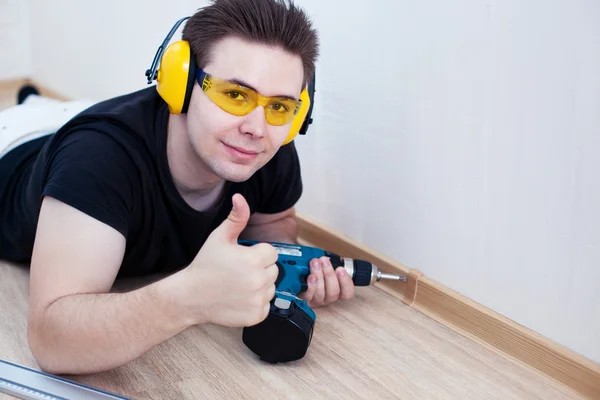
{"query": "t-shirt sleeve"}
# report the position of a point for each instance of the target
(91, 172)
(281, 181)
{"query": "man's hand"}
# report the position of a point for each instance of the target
(227, 283)
(325, 285)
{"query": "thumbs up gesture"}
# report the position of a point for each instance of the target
(230, 284)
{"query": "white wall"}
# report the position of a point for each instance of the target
(460, 138)
(482, 120)
(101, 49)
(15, 53)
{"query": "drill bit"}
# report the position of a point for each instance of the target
(384, 275)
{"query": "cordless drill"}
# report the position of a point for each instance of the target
(287, 331)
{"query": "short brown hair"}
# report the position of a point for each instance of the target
(270, 22)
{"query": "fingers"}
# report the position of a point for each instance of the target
(332, 286)
(309, 294)
(326, 285)
(346, 284)
(265, 313)
(265, 253)
(237, 219)
(270, 293)
(316, 268)
(272, 273)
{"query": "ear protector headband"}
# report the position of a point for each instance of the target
(175, 79)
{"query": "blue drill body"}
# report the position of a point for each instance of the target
(293, 262)
(287, 331)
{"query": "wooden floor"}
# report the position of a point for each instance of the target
(373, 347)
(8, 92)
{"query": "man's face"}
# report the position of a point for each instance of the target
(235, 147)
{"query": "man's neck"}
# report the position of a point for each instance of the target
(194, 181)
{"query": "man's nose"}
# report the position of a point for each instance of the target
(255, 123)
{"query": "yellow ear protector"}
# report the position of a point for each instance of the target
(175, 79)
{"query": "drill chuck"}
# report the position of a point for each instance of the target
(364, 273)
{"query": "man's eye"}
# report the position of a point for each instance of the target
(235, 95)
(279, 107)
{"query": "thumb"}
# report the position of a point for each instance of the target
(237, 219)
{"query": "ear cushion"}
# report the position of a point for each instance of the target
(175, 77)
(300, 117)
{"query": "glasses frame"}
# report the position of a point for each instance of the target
(204, 81)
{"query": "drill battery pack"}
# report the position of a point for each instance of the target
(284, 335)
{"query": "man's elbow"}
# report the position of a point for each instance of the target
(44, 349)
(40, 348)
(292, 229)
(265, 228)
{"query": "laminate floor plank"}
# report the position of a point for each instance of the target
(372, 347)
(8, 92)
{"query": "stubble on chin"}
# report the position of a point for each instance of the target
(233, 171)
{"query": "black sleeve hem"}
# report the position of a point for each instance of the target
(282, 207)
(84, 205)
(281, 183)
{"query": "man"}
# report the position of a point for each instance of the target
(127, 188)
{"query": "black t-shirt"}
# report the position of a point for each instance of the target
(110, 162)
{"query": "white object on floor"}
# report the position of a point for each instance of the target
(37, 116)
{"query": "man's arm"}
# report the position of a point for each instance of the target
(279, 227)
(74, 325)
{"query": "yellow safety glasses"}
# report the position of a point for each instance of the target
(240, 100)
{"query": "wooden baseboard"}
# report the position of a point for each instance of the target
(464, 315)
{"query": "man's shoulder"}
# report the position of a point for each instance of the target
(131, 120)
(131, 109)
(100, 160)
(138, 99)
